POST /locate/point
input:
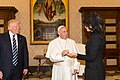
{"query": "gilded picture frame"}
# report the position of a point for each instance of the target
(45, 17)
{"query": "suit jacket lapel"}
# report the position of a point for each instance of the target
(8, 41)
(19, 43)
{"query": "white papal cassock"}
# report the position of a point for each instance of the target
(63, 66)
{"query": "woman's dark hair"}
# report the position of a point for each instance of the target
(96, 22)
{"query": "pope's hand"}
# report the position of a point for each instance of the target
(72, 55)
(65, 52)
(75, 71)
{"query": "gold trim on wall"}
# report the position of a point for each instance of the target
(45, 21)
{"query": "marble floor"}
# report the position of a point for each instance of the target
(111, 75)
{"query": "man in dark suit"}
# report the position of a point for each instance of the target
(13, 62)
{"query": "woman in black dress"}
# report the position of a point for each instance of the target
(95, 68)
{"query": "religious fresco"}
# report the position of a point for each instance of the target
(46, 16)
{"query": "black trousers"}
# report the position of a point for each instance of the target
(14, 74)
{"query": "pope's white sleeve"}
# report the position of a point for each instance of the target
(53, 54)
(56, 57)
(76, 64)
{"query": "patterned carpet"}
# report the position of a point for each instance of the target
(45, 74)
(110, 75)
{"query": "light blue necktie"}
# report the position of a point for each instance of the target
(15, 52)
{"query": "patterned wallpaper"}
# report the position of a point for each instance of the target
(75, 24)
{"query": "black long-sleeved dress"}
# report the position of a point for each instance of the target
(95, 68)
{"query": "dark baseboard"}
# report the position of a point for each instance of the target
(45, 71)
(33, 69)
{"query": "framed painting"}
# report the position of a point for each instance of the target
(45, 17)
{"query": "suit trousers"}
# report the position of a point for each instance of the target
(14, 74)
